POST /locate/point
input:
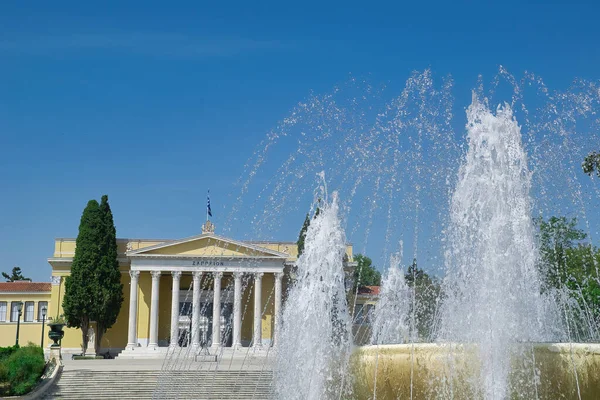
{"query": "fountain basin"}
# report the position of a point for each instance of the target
(543, 370)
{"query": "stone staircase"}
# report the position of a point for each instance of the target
(148, 384)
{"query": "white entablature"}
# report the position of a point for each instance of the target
(207, 252)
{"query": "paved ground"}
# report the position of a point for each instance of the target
(229, 360)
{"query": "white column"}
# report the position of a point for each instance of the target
(153, 342)
(196, 310)
(237, 310)
(175, 308)
(216, 328)
(277, 316)
(133, 295)
(258, 309)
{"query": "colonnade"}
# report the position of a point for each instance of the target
(132, 341)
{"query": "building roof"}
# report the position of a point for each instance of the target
(369, 290)
(25, 286)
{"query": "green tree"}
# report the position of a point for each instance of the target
(365, 274)
(425, 296)
(568, 264)
(81, 286)
(556, 236)
(591, 164)
(305, 225)
(110, 289)
(302, 235)
(15, 275)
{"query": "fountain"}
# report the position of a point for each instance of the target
(493, 317)
(314, 347)
(498, 332)
(390, 319)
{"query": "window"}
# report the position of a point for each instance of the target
(42, 304)
(29, 307)
(14, 311)
(2, 311)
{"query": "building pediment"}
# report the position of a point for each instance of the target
(206, 245)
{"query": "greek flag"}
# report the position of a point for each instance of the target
(208, 211)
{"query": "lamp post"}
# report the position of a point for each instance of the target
(44, 309)
(20, 309)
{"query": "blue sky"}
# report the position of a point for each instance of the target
(153, 104)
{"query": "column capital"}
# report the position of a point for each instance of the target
(238, 275)
(176, 274)
(155, 274)
(197, 274)
(134, 274)
(217, 275)
(258, 275)
(278, 275)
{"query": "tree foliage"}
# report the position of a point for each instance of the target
(81, 286)
(302, 235)
(567, 264)
(365, 274)
(305, 225)
(110, 295)
(425, 293)
(93, 291)
(15, 275)
(591, 164)
(556, 236)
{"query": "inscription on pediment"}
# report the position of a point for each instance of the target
(208, 263)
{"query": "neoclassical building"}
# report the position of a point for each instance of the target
(205, 291)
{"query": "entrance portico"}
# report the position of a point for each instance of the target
(209, 277)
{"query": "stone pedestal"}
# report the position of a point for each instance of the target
(55, 354)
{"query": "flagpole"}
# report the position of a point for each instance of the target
(207, 197)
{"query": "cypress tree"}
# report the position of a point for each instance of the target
(81, 286)
(302, 236)
(110, 295)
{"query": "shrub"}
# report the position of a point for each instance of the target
(5, 352)
(3, 373)
(25, 366)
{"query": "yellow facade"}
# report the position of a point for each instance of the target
(185, 251)
(29, 331)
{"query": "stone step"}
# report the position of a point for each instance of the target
(146, 384)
